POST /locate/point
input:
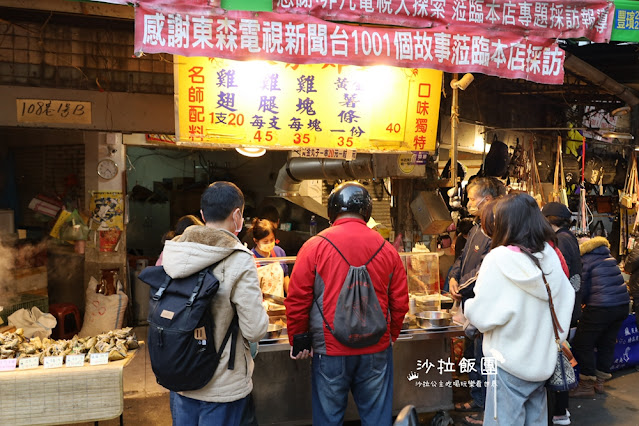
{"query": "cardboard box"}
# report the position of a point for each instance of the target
(430, 212)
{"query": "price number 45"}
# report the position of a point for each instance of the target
(267, 136)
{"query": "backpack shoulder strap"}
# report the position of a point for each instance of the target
(198, 285)
(335, 247)
(340, 253)
(231, 333)
(158, 294)
(378, 250)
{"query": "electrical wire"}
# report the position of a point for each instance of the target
(131, 166)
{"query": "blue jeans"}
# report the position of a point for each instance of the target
(192, 412)
(369, 377)
(511, 401)
(478, 394)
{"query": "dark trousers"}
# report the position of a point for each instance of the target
(369, 377)
(478, 393)
(597, 329)
(557, 404)
(192, 412)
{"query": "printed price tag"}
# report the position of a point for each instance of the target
(75, 360)
(53, 361)
(99, 359)
(27, 363)
(8, 364)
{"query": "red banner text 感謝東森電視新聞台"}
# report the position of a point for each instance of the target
(501, 38)
(564, 19)
(304, 39)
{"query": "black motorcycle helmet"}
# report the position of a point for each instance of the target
(350, 197)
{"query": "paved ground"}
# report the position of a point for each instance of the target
(619, 406)
(147, 403)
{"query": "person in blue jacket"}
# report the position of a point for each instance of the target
(605, 296)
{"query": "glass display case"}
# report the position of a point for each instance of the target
(422, 272)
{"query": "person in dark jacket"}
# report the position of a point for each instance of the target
(559, 217)
(632, 267)
(464, 271)
(606, 298)
(464, 227)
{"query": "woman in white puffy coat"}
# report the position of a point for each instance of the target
(511, 308)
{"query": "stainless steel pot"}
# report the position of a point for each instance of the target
(434, 319)
(274, 331)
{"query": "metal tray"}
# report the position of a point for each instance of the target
(429, 328)
(283, 339)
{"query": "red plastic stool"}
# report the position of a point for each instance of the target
(68, 317)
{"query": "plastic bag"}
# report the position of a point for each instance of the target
(34, 322)
(458, 314)
(74, 228)
(102, 313)
(627, 346)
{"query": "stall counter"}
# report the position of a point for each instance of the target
(63, 395)
(282, 386)
(422, 367)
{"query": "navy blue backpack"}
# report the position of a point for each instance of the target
(181, 327)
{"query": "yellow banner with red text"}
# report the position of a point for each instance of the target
(289, 106)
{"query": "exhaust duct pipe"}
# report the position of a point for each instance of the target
(298, 169)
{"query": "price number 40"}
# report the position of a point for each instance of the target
(394, 128)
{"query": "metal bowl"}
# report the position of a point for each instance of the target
(434, 319)
(406, 322)
(274, 331)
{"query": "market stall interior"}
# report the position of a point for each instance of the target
(114, 122)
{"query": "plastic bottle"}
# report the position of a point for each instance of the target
(313, 226)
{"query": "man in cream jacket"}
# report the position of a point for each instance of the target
(222, 401)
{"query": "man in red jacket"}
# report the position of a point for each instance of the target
(320, 271)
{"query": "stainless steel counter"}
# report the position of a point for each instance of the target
(281, 344)
(282, 386)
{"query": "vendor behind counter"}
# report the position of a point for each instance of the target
(289, 241)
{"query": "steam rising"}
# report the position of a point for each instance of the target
(7, 263)
(14, 258)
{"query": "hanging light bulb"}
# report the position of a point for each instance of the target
(251, 151)
(620, 111)
(617, 135)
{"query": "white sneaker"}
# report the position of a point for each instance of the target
(561, 420)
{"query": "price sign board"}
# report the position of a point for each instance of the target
(289, 106)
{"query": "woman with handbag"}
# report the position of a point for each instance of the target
(523, 303)
(606, 300)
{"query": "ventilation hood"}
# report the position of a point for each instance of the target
(293, 177)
